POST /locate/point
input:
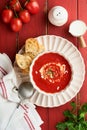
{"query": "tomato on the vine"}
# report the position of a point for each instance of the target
(16, 24)
(7, 15)
(24, 16)
(15, 5)
(32, 6)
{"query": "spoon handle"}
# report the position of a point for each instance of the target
(19, 104)
(15, 90)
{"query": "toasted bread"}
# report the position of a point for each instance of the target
(23, 61)
(25, 71)
(41, 48)
(31, 50)
(32, 55)
(31, 45)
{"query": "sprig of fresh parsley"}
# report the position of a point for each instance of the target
(74, 119)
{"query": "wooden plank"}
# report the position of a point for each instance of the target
(36, 27)
(56, 114)
(82, 13)
(44, 114)
(7, 37)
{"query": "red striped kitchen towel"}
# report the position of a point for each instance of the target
(12, 117)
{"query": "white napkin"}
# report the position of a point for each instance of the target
(8, 79)
(25, 117)
(6, 110)
(5, 65)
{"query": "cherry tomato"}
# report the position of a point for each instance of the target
(32, 6)
(7, 15)
(15, 5)
(24, 16)
(16, 24)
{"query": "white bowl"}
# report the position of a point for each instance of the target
(45, 74)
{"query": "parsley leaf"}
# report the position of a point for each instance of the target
(74, 119)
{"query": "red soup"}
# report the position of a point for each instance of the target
(51, 72)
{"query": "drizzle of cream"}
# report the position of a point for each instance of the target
(47, 72)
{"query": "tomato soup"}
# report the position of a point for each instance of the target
(51, 72)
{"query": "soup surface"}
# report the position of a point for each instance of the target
(51, 72)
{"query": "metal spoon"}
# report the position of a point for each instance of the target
(25, 91)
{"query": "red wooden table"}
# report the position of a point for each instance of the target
(11, 42)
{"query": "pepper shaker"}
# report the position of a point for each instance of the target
(58, 16)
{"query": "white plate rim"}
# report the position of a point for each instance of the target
(62, 97)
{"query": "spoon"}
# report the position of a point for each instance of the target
(25, 91)
(78, 28)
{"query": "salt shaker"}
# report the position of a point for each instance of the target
(58, 16)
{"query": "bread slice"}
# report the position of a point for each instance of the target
(41, 48)
(31, 45)
(30, 54)
(23, 61)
